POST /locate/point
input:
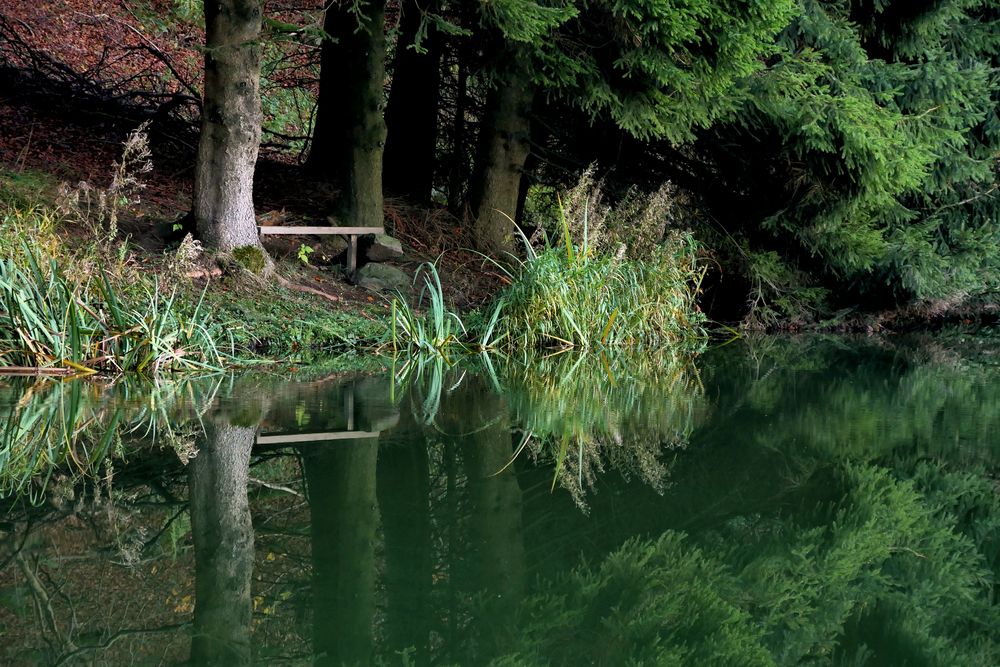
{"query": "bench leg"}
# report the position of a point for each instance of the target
(352, 255)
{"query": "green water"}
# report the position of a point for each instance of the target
(776, 501)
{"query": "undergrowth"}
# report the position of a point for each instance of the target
(600, 276)
(49, 319)
(85, 304)
(83, 299)
(614, 276)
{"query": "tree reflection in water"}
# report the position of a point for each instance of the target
(825, 503)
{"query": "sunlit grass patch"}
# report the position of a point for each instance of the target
(601, 277)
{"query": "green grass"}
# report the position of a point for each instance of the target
(21, 190)
(570, 296)
(50, 320)
(437, 329)
(283, 325)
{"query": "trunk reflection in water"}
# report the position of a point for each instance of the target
(223, 544)
(403, 485)
(496, 552)
(340, 478)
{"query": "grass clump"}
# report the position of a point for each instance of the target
(614, 277)
(48, 319)
(437, 329)
(87, 306)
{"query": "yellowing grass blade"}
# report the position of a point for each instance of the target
(607, 327)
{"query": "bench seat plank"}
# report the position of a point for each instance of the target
(346, 231)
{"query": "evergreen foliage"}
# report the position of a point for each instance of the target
(865, 155)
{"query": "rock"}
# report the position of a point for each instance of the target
(383, 247)
(378, 277)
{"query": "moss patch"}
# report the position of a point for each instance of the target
(251, 258)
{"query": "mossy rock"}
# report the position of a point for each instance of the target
(251, 258)
(379, 277)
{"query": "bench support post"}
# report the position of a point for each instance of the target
(352, 254)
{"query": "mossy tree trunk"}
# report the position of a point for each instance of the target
(504, 145)
(230, 126)
(223, 544)
(350, 131)
(411, 116)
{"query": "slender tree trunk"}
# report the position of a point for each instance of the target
(350, 131)
(457, 173)
(230, 125)
(411, 116)
(223, 545)
(503, 147)
(344, 516)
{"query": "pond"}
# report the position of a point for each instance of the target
(771, 501)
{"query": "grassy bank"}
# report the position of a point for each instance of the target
(74, 294)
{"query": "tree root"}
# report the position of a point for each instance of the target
(287, 284)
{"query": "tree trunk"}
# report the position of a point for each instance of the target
(411, 116)
(344, 516)
(350, 131)
(230, 125)
(223, 545)
(457, 172)
(503, 147)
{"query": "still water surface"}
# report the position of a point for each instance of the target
(777, 501)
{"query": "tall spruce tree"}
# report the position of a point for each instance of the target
(862, 163)
(657, 69)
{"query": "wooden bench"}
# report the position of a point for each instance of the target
(351, 234)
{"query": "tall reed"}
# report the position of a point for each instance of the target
(583, 286)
